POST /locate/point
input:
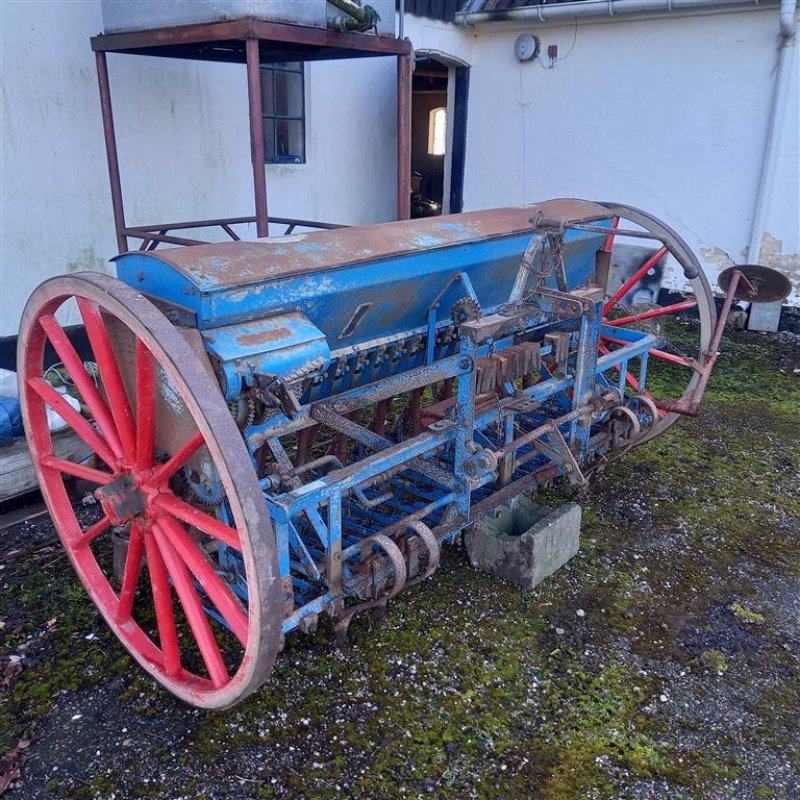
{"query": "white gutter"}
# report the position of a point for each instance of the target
(605, 9)
(777, 114)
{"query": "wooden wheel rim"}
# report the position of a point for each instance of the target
(210, 414)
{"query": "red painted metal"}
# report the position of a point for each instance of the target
(110, 375)
(227, 605)
(655, 312)
(683, 362)
(75, 421)
(160, 538)
(689, 403)
(145, 407)
(170, 467)
(92, 532)
(199, 519)
(192, 608)
(84, 383)
(130, 578)
(608, 245)
(634, 279)
(162, 601)
(77, 470)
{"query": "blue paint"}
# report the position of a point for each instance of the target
(377, 327)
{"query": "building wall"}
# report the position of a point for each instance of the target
(666, 114)
(670, 115)
(183, 137)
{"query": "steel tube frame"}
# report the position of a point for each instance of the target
(404, 63)
(112, 156)
(180, 41)
(257, 136)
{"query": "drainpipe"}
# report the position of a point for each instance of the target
(777, 114)
(603, 9)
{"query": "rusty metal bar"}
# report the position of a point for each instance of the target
(149, 237)
(404, 63)
(201, 223)
(257, 136)
(111, 151)
(187, 36)
(689, 403)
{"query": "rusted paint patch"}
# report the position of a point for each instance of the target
(263, 336)
(234, 264)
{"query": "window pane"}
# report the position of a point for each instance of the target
(289, 141)
(267, 95)
(288, 94)
(269, 139)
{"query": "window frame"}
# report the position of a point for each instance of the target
(270, 115)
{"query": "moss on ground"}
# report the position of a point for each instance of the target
(474, 689)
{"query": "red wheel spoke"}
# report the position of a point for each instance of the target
(145, 406)
(680, 360)
(109, 373)
(166, 470)
(634, 279)
(130, 579)
(222, 597)
(609, 243)
(193, 608)
(656, 312)
(77, 470)
(162, 600)
(92, 532)
(193, 516)
(684, 362)
(83, 381)
(78, 424)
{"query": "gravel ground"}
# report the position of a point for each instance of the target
(662, 662)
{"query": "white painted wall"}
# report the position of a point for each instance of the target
(183, 138)
(669, 115)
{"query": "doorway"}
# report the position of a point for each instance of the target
(440, 88)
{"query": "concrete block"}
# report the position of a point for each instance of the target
(524, 542)
(765, 316)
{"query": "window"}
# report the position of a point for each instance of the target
(283, 107)
(437, 131)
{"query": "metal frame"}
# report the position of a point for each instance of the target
(538, 378)
(251, 42)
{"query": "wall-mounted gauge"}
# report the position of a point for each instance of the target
(527, 47)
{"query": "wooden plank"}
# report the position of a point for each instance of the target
(16, 469)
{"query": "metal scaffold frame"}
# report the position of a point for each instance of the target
(251, 42)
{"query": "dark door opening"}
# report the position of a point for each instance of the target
(438, 136)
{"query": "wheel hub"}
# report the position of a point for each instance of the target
(121, 500)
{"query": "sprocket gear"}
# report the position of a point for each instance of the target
(465, 310)
(203, 482)
(243, 410)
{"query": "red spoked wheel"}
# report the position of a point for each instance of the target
(675, 360)
(155, 412)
